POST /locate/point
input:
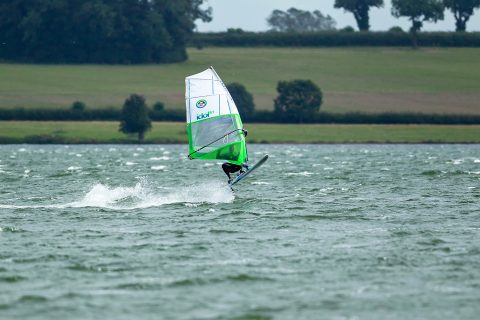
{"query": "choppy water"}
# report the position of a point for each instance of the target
(320, 232)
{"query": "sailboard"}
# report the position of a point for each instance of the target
(243, 175)
(214, 127)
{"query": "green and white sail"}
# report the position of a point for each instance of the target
(213, 122)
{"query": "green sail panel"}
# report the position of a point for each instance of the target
(214, 125)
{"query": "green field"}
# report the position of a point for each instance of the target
(433, 80)
(167, 132)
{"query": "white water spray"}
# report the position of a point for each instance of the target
(142, 196)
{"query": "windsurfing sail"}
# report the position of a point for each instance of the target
(214, 126)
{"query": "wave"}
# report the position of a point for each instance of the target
(142, 196)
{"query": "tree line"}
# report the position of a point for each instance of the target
(395, 37)
(98, 31)
(417, 11)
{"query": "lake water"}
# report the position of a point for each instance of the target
(319, 232)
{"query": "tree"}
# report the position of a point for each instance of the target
(98, 31)
(295, 20)
(178, 17)
(134, 117)
(243, 99)
(462, 11)
(418, 11)
(297, 100)
(360, 10)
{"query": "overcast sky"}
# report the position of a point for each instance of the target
(251, 15)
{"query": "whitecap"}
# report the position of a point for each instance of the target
(304, 173)
(73, 168)
(129, 163)
(159, 158)
(157, 168)
(326, 189)
(457, 161)
(260, 183)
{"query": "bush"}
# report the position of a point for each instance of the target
(298, 100)
(78, 106)
(348, 29)
(235, 30)
(158, 106)
(243, 99)
(135, 116)
(107, 114)
(168, 115)
(396, 29)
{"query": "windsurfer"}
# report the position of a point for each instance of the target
(229, 167)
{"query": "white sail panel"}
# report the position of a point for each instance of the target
(207, 97)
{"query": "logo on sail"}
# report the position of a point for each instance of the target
(202, 116)
(201, 103)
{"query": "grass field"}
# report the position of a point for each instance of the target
(167, 132)
(443, 80)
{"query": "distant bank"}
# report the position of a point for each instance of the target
(46, 132)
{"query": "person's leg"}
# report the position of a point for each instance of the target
(234, 168)
(230, 168)
(226, 169)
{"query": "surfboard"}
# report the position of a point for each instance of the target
(242, 176)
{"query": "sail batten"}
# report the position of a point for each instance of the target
(214, 125)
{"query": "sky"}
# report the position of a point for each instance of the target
(251, 15)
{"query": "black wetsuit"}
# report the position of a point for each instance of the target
(230, 168)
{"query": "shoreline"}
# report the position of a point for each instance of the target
(68, 132)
